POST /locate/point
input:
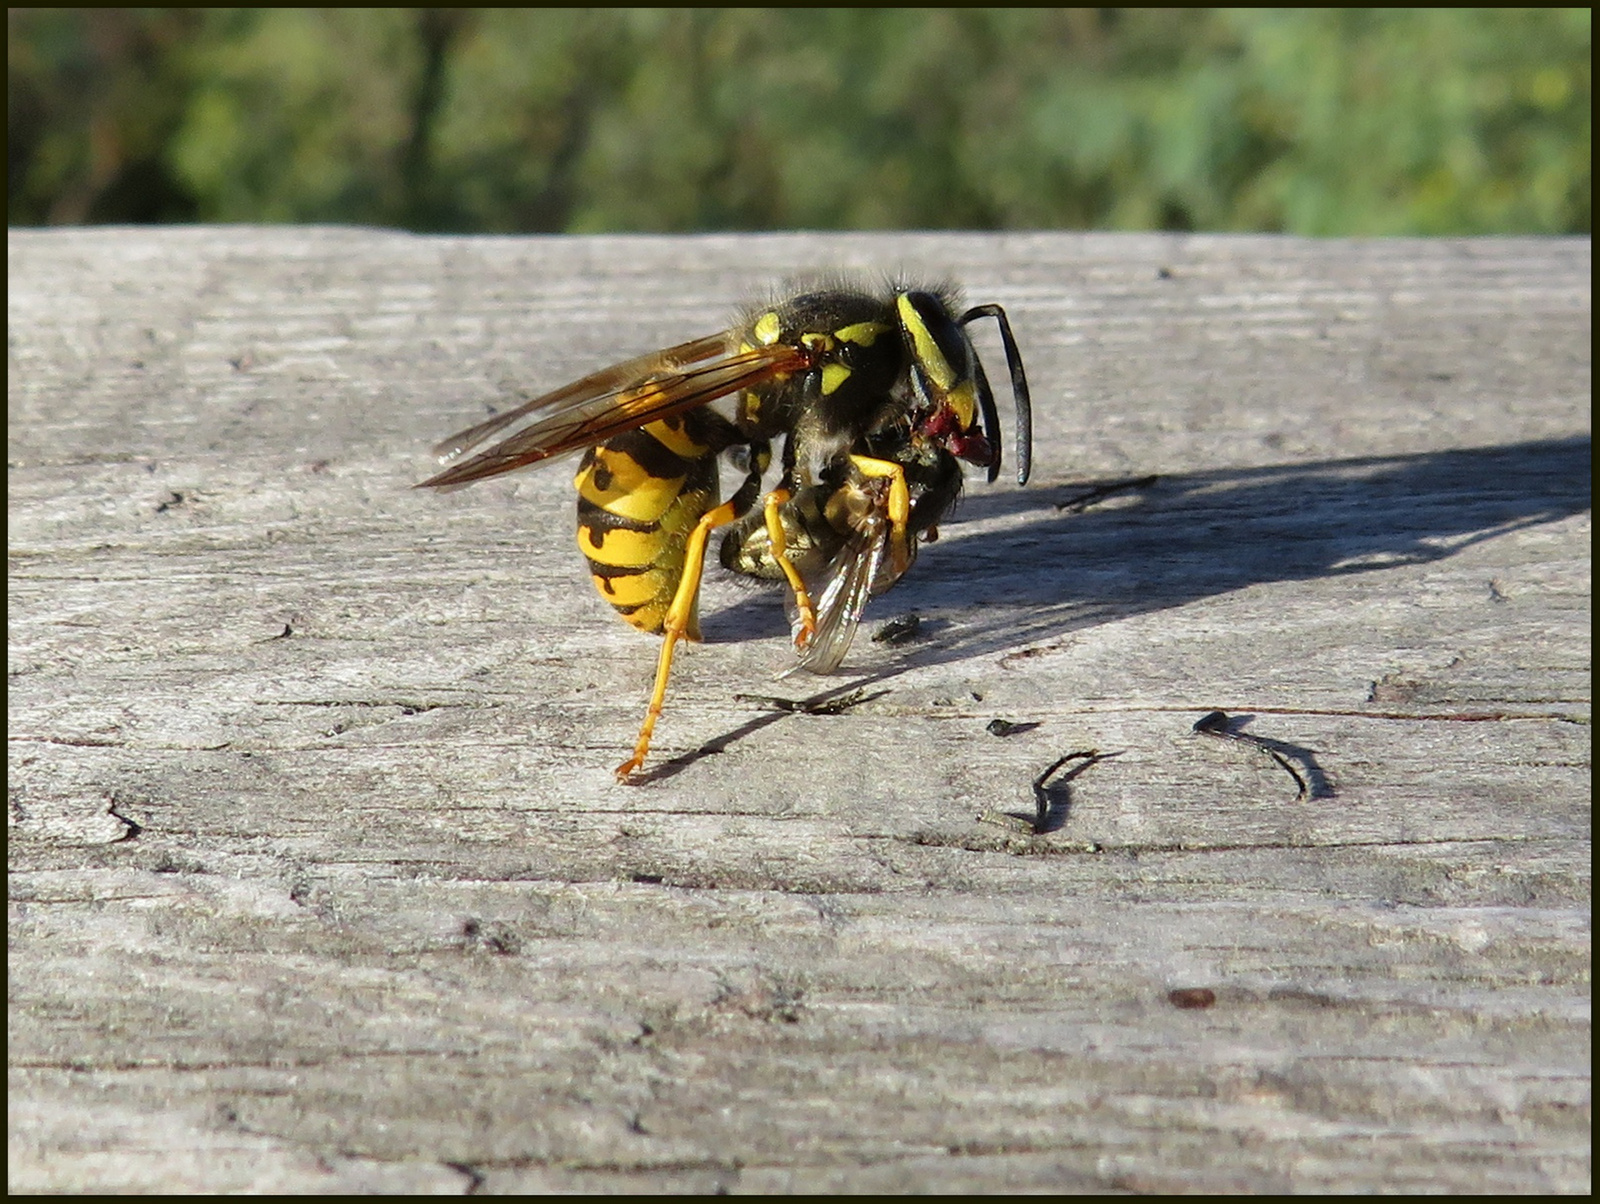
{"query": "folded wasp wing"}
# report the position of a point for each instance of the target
(617, 399)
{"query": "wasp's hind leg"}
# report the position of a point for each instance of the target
(680, 619)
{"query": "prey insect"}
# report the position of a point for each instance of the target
(873, 399)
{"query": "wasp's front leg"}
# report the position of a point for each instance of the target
(899, 507)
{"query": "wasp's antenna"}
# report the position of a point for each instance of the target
(1019, 386)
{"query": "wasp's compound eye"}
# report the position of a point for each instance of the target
(941, 355)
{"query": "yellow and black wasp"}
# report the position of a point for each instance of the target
(877, 398)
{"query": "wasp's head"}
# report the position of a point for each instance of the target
(954, 407)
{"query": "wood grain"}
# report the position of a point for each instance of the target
(320, 880)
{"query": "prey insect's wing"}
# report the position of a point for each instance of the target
(856, 573)
(616, 399)
(847, 585)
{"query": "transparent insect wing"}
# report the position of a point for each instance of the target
(610, 403)
(851, 578)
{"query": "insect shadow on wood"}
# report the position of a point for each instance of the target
(836, 701)
(1222, 726)
(1080, 502)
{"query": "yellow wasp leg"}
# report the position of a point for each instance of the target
(802, 600)
(677, 621)
(899, 506)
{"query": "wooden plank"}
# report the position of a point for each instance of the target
(320, 880)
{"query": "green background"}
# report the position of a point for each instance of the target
(1327, 122)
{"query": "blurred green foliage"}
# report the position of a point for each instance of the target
(1327, 122)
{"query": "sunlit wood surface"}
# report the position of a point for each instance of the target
(320, 880)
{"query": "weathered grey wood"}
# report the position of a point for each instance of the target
(320, 881)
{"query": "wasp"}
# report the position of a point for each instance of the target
(874, 400)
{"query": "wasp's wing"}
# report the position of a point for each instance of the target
(591, 388)
(857, 573)
(607, 403)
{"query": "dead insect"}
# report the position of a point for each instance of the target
(877, 397)
(899, 630)
(812, 706)
(1007, 727)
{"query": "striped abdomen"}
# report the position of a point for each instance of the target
(639, 496)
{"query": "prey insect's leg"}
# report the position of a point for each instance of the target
(899, 506)
(802, 600)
